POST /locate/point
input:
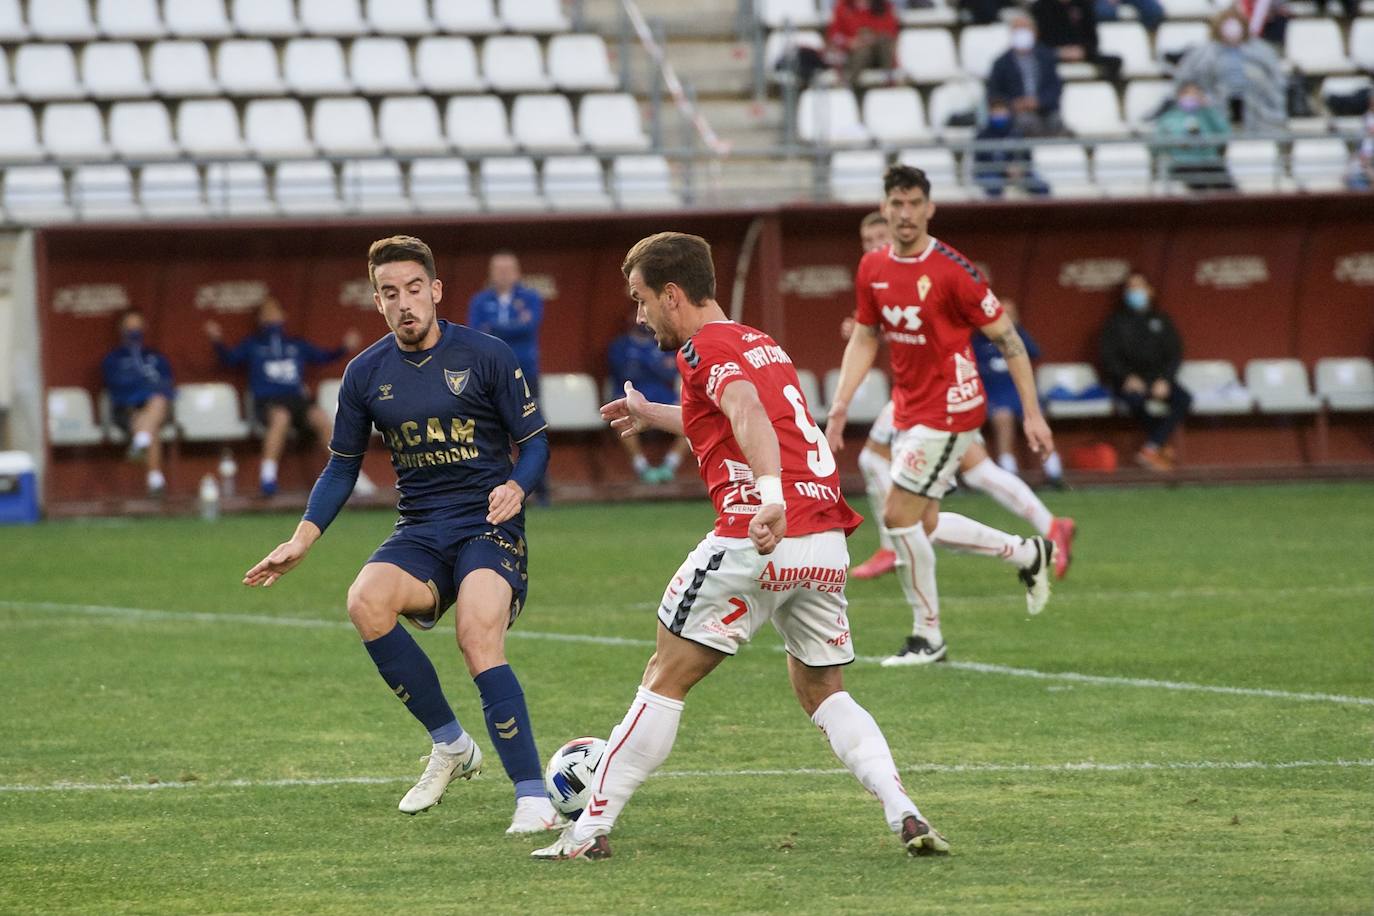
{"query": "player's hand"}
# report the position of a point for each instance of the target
(834, 427)
(1038, 436)
(1160, 389)
(213, 331)
(1133, 384)
(276, 564)
(352, 340)
(504, 502)
(626, 415)
(768, 527)
(847, 327)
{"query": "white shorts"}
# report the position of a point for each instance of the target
(724, 592)
(882, 431)
(925, 460)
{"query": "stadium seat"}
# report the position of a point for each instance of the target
(170, 190)
(1123, 169)
(514, 63)
(344, 127)
(409, 126)
(335, 18)
(1255, 165)
(509, 183)
(781, 43)
(928, 56)
(1346, 383)
(477, 124)
(957, 98)
(35, 194)
(71, 418)
(980, 45)
(208, 412)
(1362, 43)
(811, 391)
(580, 63)
(12, 27)
(1130, 42)
(441, 186)
(19, 134)
(1173, 39)
(209, 129)
(830, 117)
(1188, 9)
(306, 188)
(103, 192)
(142, 130)
(380, 66)
(1092, 110)
(447, 64)
(1072, 390)
(134, 19)
(643, 182)
(1319, 163)
(265, 18)
(315, 66)
(542, 17)
(856, 176)
(113, 433)
(399, 17)
(1065, 168)
(181, 68)
(114, 70)
(249, 67)
(196, 18)
(327, 396)
(543, 123)
(467, 17)
(1144, 100)
(74, 130)
(869, 398)
(1314, 46)
(46, 72)
(61, 20)
(7, 90)
(1280, 386)
(1215, 387)
(610, 122)
(238, 189)
(895, 115)
(275, 128)
(940, 167)
(570, 402)
(799, 14)
(575, 183)
(373, 186)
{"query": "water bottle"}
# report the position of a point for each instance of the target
(228, 471)
(209, 498)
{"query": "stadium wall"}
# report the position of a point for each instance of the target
(1244, 278)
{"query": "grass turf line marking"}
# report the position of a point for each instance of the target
(950, 768)
(1074, 677)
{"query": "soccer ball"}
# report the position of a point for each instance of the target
(568, 777)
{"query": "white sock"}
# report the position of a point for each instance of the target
(637, 747)
(1011, 491)
(143, 439)
(268, 474)
(1054, 467)
(156, 481)
(877, 472)
(859, 743)
(1007, 462)
(640, 463)
(916, 570)
(961, 533)
(459, 746)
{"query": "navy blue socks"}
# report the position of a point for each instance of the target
(508, 723)
(411, 676)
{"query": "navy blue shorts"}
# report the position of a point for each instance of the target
(1002, 401)
(441, 553)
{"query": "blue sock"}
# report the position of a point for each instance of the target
(508, 723)
(411, 676)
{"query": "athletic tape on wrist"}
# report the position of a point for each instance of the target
(770, 490)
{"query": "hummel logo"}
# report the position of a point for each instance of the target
(596, 807)
(386, 393)
(501, 728)
(401, 693)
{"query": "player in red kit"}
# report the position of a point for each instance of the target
(777, 552)
(925, 299)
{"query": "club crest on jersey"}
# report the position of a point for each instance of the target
(923, 287)
(457, 381)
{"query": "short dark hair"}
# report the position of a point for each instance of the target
(674, 257)
(904, 177)
(875, 218)
(396, 249)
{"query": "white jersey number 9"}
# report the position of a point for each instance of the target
(819, 459)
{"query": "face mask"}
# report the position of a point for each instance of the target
(273, 325)
(1137, 300)
(999, 122)
(1232, 31)
(133, 338)
(1190, 103)
(1022, 39)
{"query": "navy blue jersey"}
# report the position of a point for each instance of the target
(276, 363)
(992, 368)
(636, 358)
(449, 415)
(133, 374)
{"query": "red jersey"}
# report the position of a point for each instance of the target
(718, 355)
(926, 307)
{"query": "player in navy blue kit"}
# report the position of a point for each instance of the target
(449, 402)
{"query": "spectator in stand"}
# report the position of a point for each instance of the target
(1070, 28)
(1141, 353)
(1027, 74)
(1360, 176)
(636, 359)
(510, 311)
(276, 379)
(863, 36)
(1268, 19)
(995, 167)
(1150, 12)
(984, 12)
(1243, 75)
(1202, 167)
(139, 382)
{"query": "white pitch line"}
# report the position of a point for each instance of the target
(1073, 677)
(1089, 766)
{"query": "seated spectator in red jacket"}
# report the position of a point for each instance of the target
(863, 36)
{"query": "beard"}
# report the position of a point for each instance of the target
(415, 333)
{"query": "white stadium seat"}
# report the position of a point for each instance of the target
(315, 66)
(12, 27)
(980, 45)
(265, 18)
(570, 402)
(1314, 46)
(71, 417)
(170, 190)
(869, 398)
(344, 127)
(104, 192)
(46, 72)
(575, 183)
(307, 189)
(1255, 165)
(137, 19)
(327, 396)
(275, 128)
(1130, 42)
(541, 17)
(509, 183)
(1091, 109)
(142, 130)
(35, 194)
(800, 14)
(249, 67)
(928, 55)
(1123, 169)
(19, 134)
(1280, 386)
(340, 18)
(467, 17)
(856, 176)
(208, 412)
(895, 115)
(238, 189)
(1065, 168)
(409, 126)
(1173, 39)
(373, 186)
(477, 124)
(399, 17)
(830, 117)
(61, 20)
(781, 43)
(514, 63)
(643, 182)
(939, 165)
(610, 122)
(1189, 9)
(957, 97)
(543, 123)
(7, 90)
(1319, 163)
(1071, 380)
(580, 63)
(1346, 383)
(196, 18)
(1215, 387)
(1144, 100)
(441, 186)
(447, 64)
(74, 130)
(380, 66)
(1362, 43)
(181, 68)
(209, 128)
(114, 70)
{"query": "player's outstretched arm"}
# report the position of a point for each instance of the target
(859, 354)
(284, 558)
(634, 413)
(1005, 336)
(759, 442)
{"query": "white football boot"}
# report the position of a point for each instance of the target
(535, 815)
(917, 650)
(441, 770)
(1036, 576)
(565, 847)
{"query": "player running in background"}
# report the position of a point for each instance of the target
(925, 298)
(777, 552)
(449, 402)
(977, 468)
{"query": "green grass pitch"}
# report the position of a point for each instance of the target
(1186, 729)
